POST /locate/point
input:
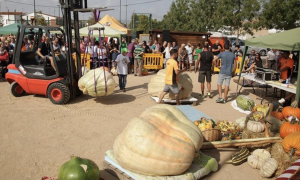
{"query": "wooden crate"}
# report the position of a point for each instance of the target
(115, 171)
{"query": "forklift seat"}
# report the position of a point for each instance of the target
(40, 70)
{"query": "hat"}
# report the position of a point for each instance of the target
(125, 50)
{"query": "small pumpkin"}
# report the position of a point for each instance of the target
(291, 111)
(255, 162)
(289, 127)
(262, 154)
(261, 108)
(277, 115)
(268, 168)
(291, 143)
(255, 126)
(241, 122)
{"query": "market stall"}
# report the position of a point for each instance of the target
(287, 40)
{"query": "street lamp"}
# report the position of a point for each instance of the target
(34, 9)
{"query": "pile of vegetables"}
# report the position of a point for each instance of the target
(261, 159)
(230, 130)
(205, 124)
(245, 103)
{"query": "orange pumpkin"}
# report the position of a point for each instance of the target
(144, 71)
(277, 115)
(288, 128)
(291, 144)
(291, 111)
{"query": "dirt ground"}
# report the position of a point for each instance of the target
(37, 137)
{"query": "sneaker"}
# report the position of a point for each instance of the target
(219, 100)
(225, 101)
(281, 101)
(209, 95)
(124, 90)
(135, 74)
(202, 95)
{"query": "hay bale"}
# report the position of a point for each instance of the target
(283, 158)
(247, 134)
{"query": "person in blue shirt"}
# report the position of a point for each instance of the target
(227, 71)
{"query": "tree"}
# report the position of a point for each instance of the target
(280, 14)
(240, 15)
(203, 15)
(178, 17)
(143, 23)
(91, 20)
(40, 20)
(156, 24)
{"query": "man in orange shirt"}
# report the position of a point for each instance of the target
(286, 65)
(171, 77)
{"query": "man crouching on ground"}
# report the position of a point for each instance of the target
(171, 77)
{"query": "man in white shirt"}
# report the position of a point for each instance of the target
(189, 50)
(122, 62)
(271, 60)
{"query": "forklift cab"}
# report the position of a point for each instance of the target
(29, 62)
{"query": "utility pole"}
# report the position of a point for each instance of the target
(120, 11)
(34, 9)
(126, 13)
(59, 14)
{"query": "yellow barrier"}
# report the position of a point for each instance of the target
(238, 65)
(87, 60)
(153, 61)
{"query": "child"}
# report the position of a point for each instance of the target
(122, 62)
(114, 54)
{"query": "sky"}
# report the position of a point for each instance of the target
(156, 7)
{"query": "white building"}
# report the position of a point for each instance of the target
(11, 17)
(50, 19)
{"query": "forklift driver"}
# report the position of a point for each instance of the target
(44, 52)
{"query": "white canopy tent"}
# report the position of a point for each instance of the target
(108, 31)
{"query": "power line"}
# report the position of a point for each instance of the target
(107, 6)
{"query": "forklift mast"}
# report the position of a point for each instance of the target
(69, 6)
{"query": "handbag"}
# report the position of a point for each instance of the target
(4, 57)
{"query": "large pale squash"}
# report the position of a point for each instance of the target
(94, 78)
(162, 141)
(245, 103)
(157, 84)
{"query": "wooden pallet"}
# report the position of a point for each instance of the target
(190, 100)
(115, 171)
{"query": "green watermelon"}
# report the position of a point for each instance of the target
(245, 103)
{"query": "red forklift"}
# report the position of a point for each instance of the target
(28, 75)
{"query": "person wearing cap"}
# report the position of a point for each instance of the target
(122, 62)
(138, 59)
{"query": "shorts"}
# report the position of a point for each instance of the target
(174, 88)
(190, 56)
(223, 77)
(202, 75)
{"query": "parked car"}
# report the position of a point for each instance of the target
(260, 50)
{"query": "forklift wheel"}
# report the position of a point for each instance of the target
(58, 93)
(17, 90)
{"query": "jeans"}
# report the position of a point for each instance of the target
(138, 63)
(122, 81)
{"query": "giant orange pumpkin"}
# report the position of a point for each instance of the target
(291, 144)
(161, 141)
(288, 128)
(291, 111)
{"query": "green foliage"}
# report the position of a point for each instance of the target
(40, 20)
(280, 14)
(143, 23)
(240, 15)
